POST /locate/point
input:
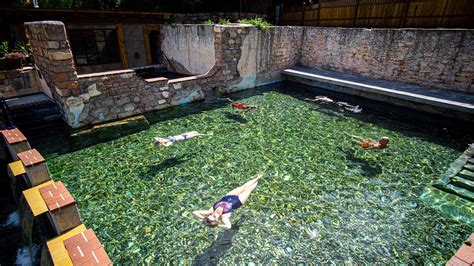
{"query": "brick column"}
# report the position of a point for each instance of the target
(53, 58)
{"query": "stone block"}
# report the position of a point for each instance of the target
(58, 56)
(15, 142)
(35, 166)
(62, 210)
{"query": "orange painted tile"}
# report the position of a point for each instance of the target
(13, 136)
(30, 157)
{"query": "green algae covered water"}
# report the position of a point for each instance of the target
(322, 199)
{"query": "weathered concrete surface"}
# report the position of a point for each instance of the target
(19, 82)
(435, 58)
(135, 45)
(251, 57)
(189, 48)
(453, 104)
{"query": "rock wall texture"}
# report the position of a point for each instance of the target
(104, 96)
(235, 57)
(117, 94)
(188, 49)
(246, 57)
(441, 59)
(53, 59)
(18, 82)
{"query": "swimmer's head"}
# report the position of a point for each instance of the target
(162, 142)
(384, 141)
(211, 221)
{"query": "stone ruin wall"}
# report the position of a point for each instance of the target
(237, 57)
(53, 59)
(19, 82)
(436, 58)
(247, 57)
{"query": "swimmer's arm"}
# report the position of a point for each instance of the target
(226, 224)
(202, 214)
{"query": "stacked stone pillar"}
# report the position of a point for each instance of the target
(54, 59)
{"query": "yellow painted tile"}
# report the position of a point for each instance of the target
(56, 247)
(35, 200)
(17, 168)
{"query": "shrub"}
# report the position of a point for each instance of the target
(257, 22)
(24, 48)
(209, 22)
(224, 21)
(3, 49)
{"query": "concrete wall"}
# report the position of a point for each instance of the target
(18, 82)
(247, 56)
(441, 59)
(188, 48)
(135, 44)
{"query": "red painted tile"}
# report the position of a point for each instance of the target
(13, 136)
(85, 249)
(455, 261)
(56, 196)
(95, 257)
(30, 157)
(466, 253)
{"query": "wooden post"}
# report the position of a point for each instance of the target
(319, 13)
(406, 7)
(122, 47)
(356, 12)
(146, 38)
(302, 15)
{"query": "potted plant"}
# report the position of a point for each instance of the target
(11, 60)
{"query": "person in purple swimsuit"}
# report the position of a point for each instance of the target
(219, 214)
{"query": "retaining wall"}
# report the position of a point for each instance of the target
(19, 82)
(437, 58)
(236, 57)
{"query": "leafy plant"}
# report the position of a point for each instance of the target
(209, 22)
(24, 48)
(257, 22)
(4, 48)
(223, 21)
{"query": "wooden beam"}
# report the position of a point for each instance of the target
(122, 47)
(146, 39)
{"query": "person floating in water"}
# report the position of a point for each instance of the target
(242, 106)
(348, 107)
(219, 214)
(382, 143)
(172, 139)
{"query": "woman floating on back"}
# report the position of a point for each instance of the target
(382, 143)
(219, 214)
(242, 106)
(172, 139)
(348, 107)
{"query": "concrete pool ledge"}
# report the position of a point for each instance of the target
(427, 99)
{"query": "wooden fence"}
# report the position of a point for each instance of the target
(381, 13)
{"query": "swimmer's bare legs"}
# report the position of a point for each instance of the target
(243, 192)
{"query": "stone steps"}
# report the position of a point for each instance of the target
(459, 179)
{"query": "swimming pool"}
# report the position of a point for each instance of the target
(322, 199)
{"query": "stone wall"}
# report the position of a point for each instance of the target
(247, 57)
(188, 48)
(435, 58)
(117, 94)
(19, 82)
